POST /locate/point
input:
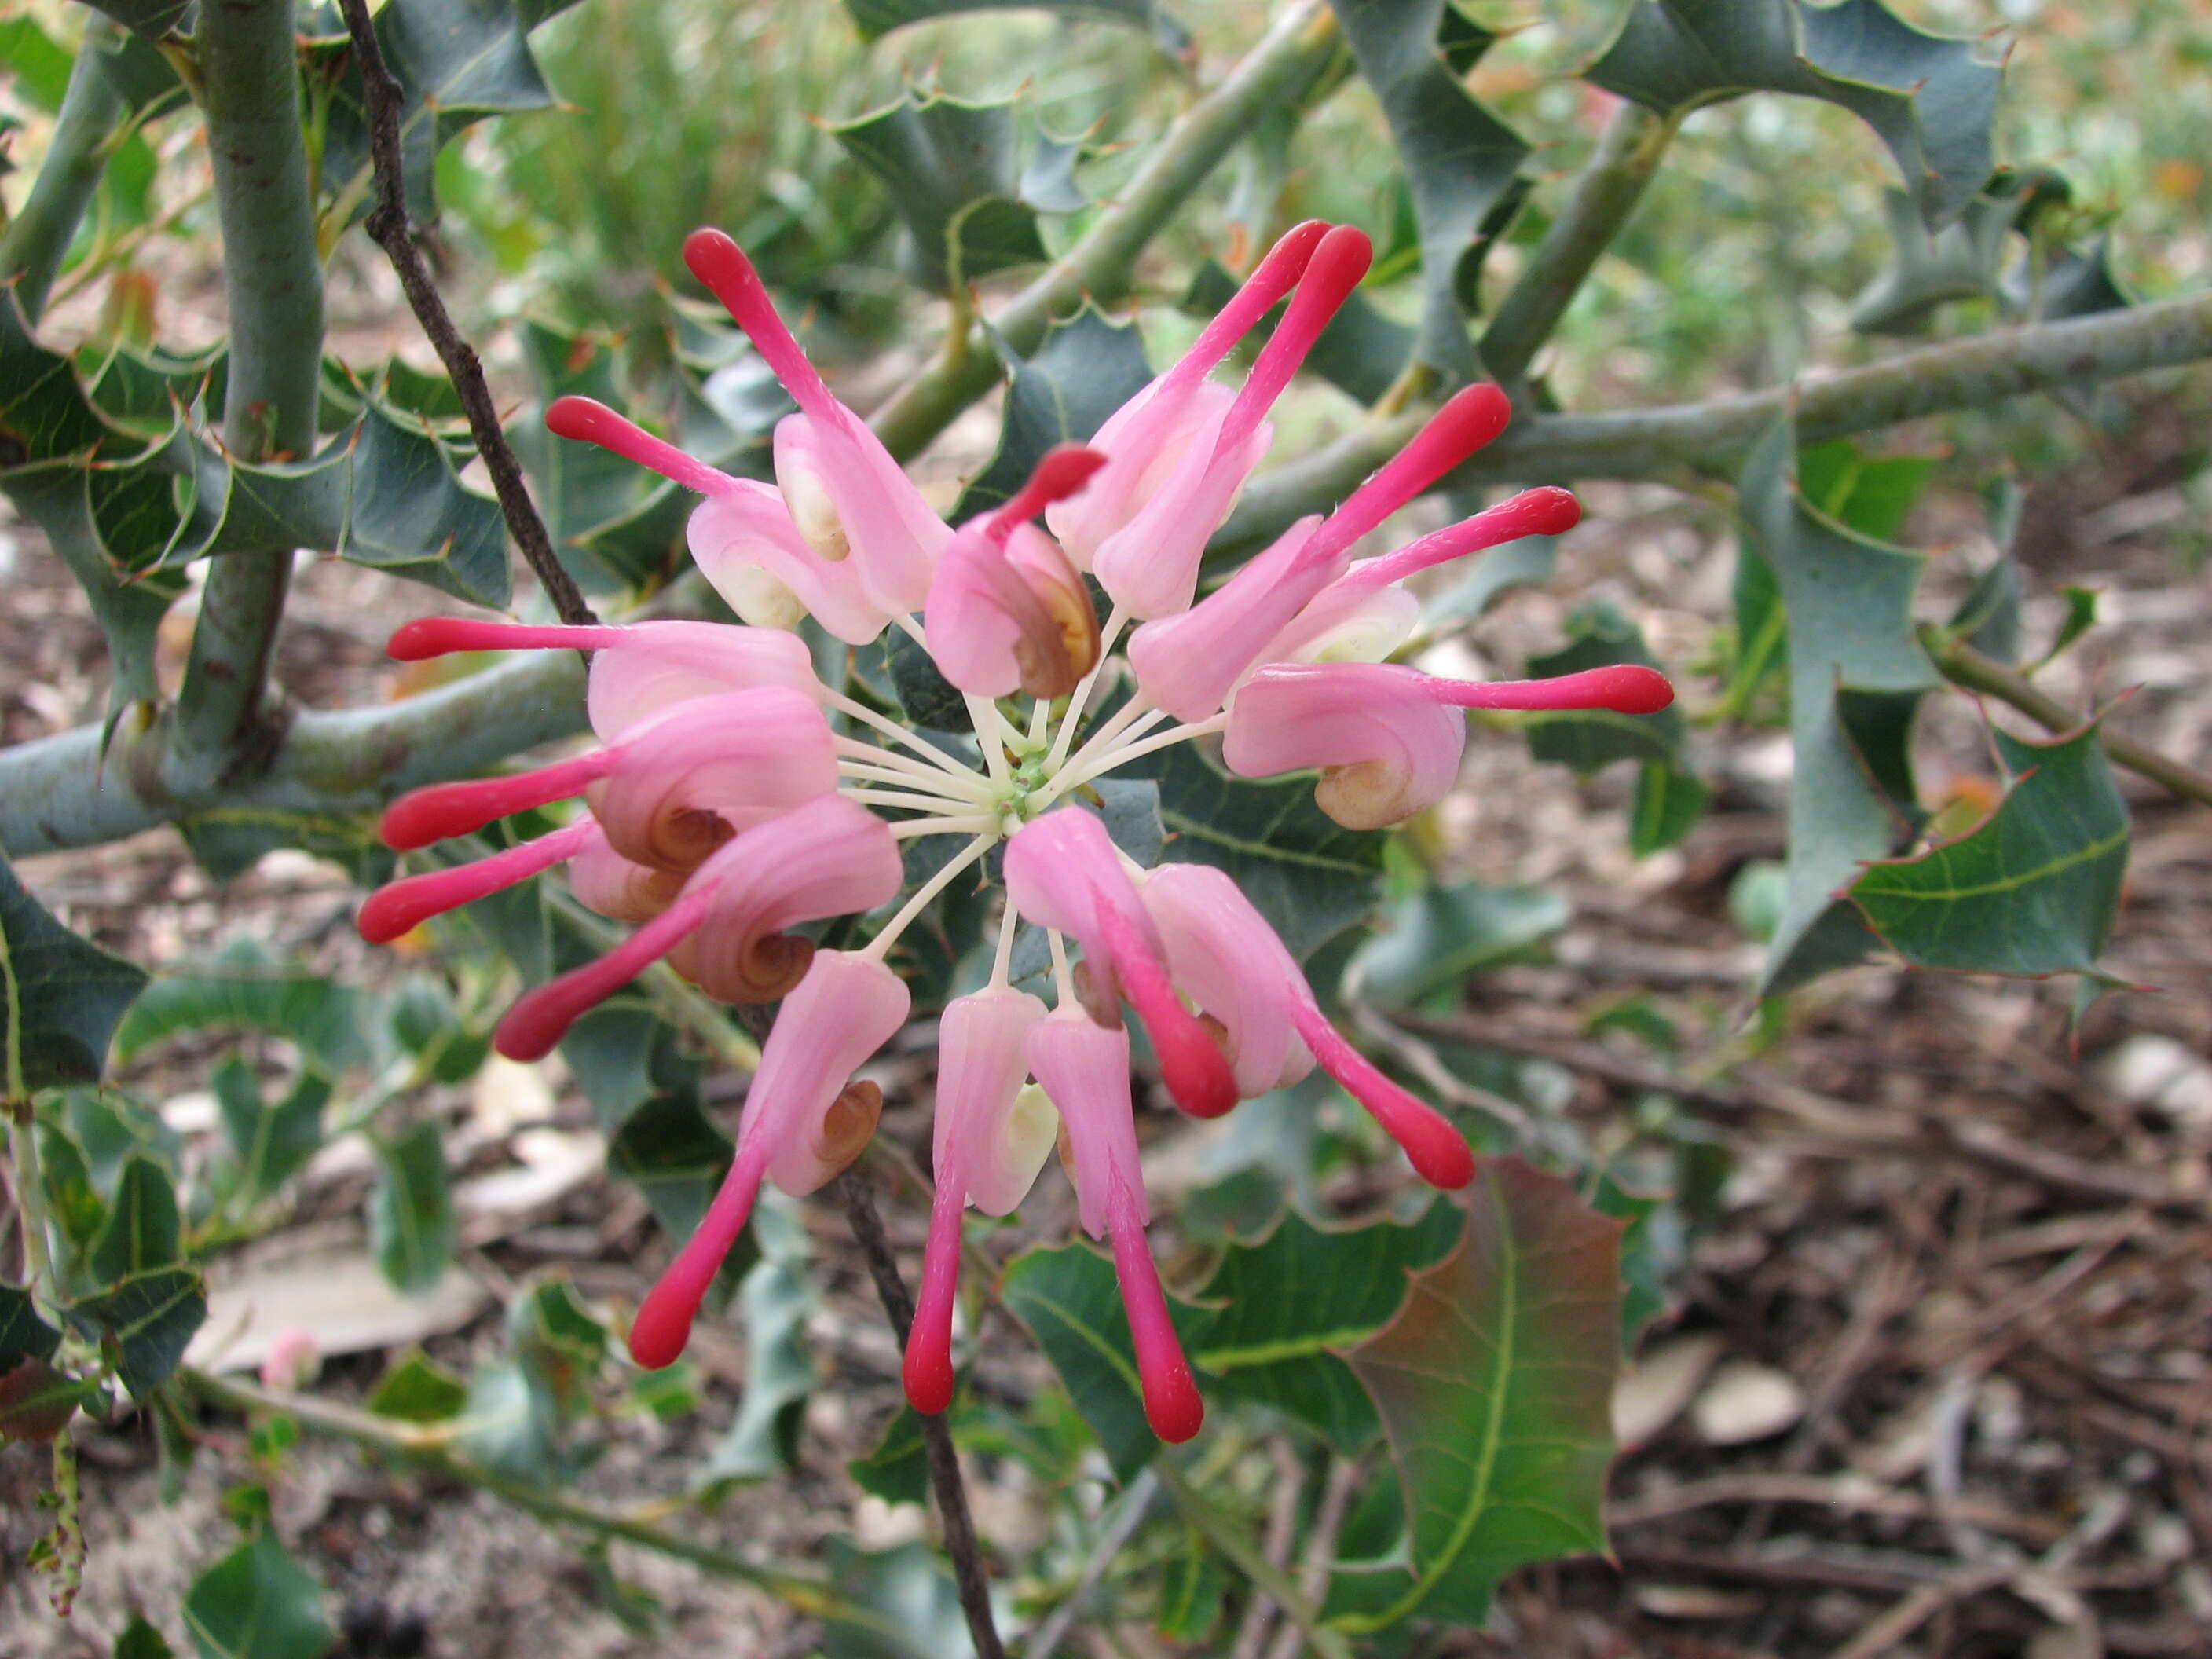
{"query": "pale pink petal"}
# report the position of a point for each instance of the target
(1387, 747)
(826, 857)
(1229, 961)
(1085, 1069)
(1007, 611)
(1062, 871)
(1190, 663)
(747, 546)
(1150, 564)
(850, 498)
(1148, 436)
(657, 663)
(981, 1151)
(845, 1008)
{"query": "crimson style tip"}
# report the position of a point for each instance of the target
(714, 257)
(391, 913)
(661, 1330)
(1476, 414)
(1193, 1066)
(423, 638)
(417, 820)
(1633, 689)
(1062, 471)
(928, 1372)
(1551, 511)
(1172, 1404)
(585, 419)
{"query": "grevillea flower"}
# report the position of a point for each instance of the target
(734, 799)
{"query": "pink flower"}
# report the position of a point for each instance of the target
(669, 792)
(1189, 663)
(1085, 1068)
(987, 1148)
(735, 797)
(1228, 961)
(1064, 872)
(1007, 613)
(743, 537)
(1386, 738)
(803, 1122)
(1183, 449)
(846, 494)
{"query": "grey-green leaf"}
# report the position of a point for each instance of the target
(1931, 99)
(1848, 600)
(144, 1229)
(2033, 889)
(967, 180)
(149, 1319)
(411, 1214)
(1461, 161)
(1085, 367)
(257, 1603)
(61, 997)
(877, 18)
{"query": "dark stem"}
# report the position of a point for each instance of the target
(388, 228)
(858, 1203)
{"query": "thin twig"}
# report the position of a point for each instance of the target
(1961, 664)
(388, 228)
(858, 1203)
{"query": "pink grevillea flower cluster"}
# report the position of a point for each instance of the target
(734, 796)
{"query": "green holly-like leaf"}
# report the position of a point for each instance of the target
(144, 1229)
(1494, 1383)
(456, 62)
(1461, 162)
(1591, 739)
(1669, 801)
(257, 1603)
(585, 491)
(149, 489)
(244, 988)
(1071, 1300)
(147, 1319)
(410, 1215)
(1872, 494)
(2033, 889)
(1283, 1305)
(1930, 99)
(417, 1389)
(897, 1470)
(1192, 1590)
(877, 18)
(1085, 367)
(1440, 935)
(1857, 673)
(140, 1640)
(23, 1334)
(1931, 268)
(967, 180)
(60, 997)
(1307, 874)
(273, 1141)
